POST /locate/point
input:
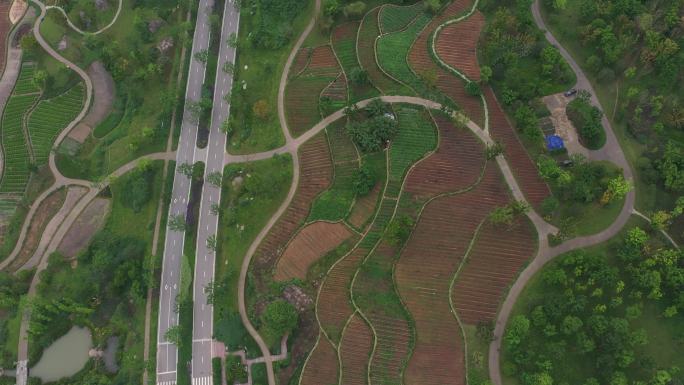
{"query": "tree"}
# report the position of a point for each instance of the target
(331, 8)
(215, 208)
(473, 89)
(358, 76)
(399, 230)
(173, 335)
(228, 67)
(212, 242)
(485, 74)
(215, 178)
(227, 127)
(202, 56)
(661, 219)
(364, 180)
(517, 331)
(261, 109)
(501, 215)
(373, 134)
(279, 318)
(232, 40)
(354, 10)
(39, 78)
(571, 325)
(432, 6)
(617, 188)
(177, 223)
(185, 169)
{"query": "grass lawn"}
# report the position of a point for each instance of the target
(257, 77)
(243, 215)
(478, 356)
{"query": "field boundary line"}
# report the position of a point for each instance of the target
(356, 45)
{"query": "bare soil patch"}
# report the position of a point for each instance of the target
(104, 91)
(355, 350)
(457, 45)
(5, 27)
(311, 243)
(47, 209)
(364, 207)
(85, 226)
(17, 10)
(322, 367)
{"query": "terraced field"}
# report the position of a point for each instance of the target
(17, 158)
(304, 90)
(394, 18)
(456, 45)
(50, 117)
(421, 62)
(343, 39)
(365, 48)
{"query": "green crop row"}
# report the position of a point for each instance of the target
(50, 117)
(16, 173)
(395, 18)
(25, 83)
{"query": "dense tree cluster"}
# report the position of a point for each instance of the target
(372, 128)
(273, 28)
(587, 120)
(580, 326)
(521, 63)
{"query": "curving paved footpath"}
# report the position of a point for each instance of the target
(75, 28)
(611, 152)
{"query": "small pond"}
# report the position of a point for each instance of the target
(65, 357)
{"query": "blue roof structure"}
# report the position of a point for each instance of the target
(554, 142)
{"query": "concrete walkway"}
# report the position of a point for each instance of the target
(611, 152)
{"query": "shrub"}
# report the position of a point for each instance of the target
(372, 134)
(280, 317)
(399, 230)
(364, 180)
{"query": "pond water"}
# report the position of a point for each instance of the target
(65, 357)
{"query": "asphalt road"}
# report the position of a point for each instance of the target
(203, 312)
(167, 353)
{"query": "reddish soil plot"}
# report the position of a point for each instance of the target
(311, 243)
(355, 351)
(455, 165)
(316, 175)
(323, 62)
(322, 367)
(531, 184)
(495, 260)
(457, 45)
(302, 93)
(364, 207)
(5, 27)
(421, 62)
(334, 306)
(365, 46)
(300, 62)
(337, 90)
(424, 273)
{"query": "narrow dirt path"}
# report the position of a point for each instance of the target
(611, 152)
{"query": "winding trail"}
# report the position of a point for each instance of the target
(610, 152)
(75, 28)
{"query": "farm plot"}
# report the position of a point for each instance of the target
(524, 169)
(17, 158)
(301, 61)
(50, 117)
(393, 49)
(491, 267)
(424, 273)
(456, 45)
(333, 306)
(25, 83)
(417, 136)
(364, 206)
(308, 246)
(456, 164)
(334, 204)
(5, 27)
(355, 351)
(365, 48)
(316, 174)
(344, 43)
(394, 18)
(303, 92)
(322, 367)
(421, 62)
(374, 293)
